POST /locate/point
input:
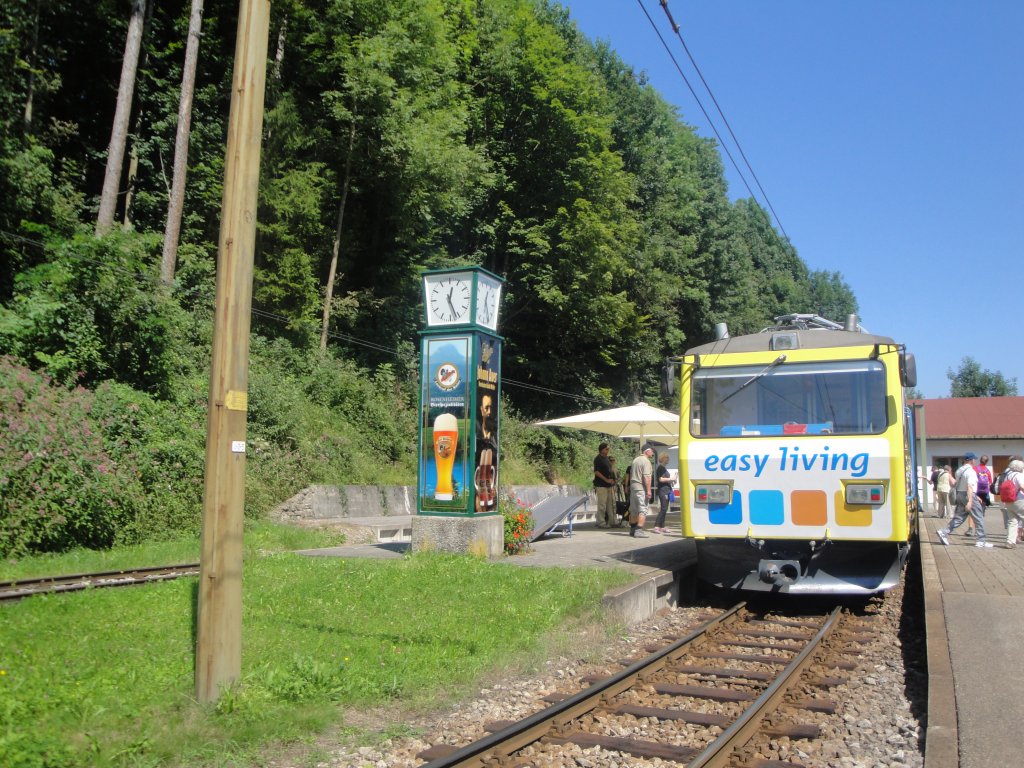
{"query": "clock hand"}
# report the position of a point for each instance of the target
(450, 304)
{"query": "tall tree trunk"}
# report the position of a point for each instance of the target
(133, 155)
(119, 132)
(172, 230)
(329, 292)
(26, 119)
(282, 34)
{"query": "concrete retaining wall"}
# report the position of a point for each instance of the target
(338, 502)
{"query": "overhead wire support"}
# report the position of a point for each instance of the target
(677, 30)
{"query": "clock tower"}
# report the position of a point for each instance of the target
(460, 391)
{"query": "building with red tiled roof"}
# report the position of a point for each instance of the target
(987, 426)
(973, 418)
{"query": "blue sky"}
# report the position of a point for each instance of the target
(889, 137)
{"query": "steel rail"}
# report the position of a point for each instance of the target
(527, 731)
(719, 752)
(15, 590)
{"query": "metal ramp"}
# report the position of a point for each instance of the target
(553, 513)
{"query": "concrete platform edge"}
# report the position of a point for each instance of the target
(642, 598)
(941, 738)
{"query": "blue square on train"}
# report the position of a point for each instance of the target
(767, 508)
(727, 514)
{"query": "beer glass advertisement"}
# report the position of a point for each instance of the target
(443, 433)
(485, 472)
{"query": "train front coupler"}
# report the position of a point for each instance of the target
(784, 563)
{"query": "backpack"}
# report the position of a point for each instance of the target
(1008, 489)
(984, 479)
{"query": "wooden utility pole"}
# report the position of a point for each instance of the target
(219, 635)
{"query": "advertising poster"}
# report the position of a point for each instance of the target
(485, 454)
(444, 434)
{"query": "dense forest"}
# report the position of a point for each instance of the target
(399, 135)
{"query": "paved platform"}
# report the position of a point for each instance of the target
(974, 608)
(587, 546)
(659, 562)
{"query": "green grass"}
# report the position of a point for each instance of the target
(260, 537)
(105, 677)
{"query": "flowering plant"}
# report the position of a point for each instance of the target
(518, 524)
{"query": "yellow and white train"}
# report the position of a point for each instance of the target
(796, 458)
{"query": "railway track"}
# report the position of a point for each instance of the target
(694, 701)
(16, 590)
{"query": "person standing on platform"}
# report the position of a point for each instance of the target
(967, 503)
(1013, 509)
(604, 488)
(985, 478)
(943, 485)
(640, 474)
(663, 484)
(619, 494)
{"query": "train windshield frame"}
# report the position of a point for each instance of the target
(845, 397)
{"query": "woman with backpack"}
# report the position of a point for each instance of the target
(1012, 496)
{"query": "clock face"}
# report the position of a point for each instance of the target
(487, 293)
(448, 298)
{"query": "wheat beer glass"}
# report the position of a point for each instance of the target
(446, 437)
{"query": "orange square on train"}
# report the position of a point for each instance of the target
(809, 507)
(857, 515)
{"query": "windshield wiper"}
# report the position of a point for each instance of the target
(777, 361)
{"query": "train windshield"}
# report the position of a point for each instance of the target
(842, 398)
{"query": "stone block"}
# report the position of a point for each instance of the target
(483, 536)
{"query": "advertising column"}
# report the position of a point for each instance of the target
(488, 393)
(444, 426)
(457, 506)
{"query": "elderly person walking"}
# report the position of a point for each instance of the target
(1013, 510)
(967, 503)
(640, 475)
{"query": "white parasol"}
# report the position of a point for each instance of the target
(632, 421)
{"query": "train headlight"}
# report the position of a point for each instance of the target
(712, 493)
(865, 494)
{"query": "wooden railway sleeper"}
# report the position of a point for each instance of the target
(773, 660)
(758, 644)
(635, 747)
(802, 636)
(748, 674)
(808, 624)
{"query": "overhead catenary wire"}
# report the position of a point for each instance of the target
(736, 141)
(700, 104)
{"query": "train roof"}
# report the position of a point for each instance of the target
(816, 338)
